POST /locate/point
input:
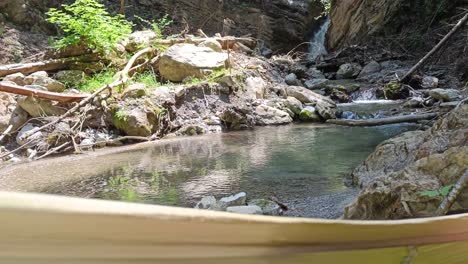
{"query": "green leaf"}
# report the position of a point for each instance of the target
(444, 191)
(430, 194)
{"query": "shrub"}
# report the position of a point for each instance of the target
(91, 84)
(88, 21)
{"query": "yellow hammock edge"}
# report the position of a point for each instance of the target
(38, 228)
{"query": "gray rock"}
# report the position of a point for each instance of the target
(309, 114)
(429, 82)
(294, 105)
(267, 115)
(268, 207)
(324, 105)
(36, 87)
(38, 108)
(299, 70)
(212, 44)
(291, 79)
(371, 67)
(134, 122)
(17, 78)
(20, 136)
(255, 88)
(206, 202)
(313, 73)
(246, 209)
(139, 39)
(135, 90)
(187, 60)
(18, 118)
(316, 84)
(348, 71)
(446, 95)
(234, 200)
(41, 78)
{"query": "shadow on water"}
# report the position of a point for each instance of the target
(303, 165)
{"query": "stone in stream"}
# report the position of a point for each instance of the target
(207, 202)
(246, 209)
(268, 207)
(446, 95)
(187, 60)
(234, 200)
(309, 114)
(267, 116)
(313, 73)
(294, 105)
(316, 84)
(348, 71)
(324, 105)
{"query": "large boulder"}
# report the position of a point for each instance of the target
(135, 122)
(398, 179)
(187, 60)
(324, 105)
(267, 115)
(39, 108)
(139, 39)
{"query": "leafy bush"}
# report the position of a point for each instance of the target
(88, 21)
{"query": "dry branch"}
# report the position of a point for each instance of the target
(457, 27)
(72, 63)
(383, 121)
(64, 98)
(447, 203)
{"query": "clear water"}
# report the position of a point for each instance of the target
(303, 165)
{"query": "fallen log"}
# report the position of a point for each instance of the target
(20, 90)
(71, 63)
(457, 27)
(383, 121)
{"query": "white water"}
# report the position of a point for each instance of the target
(317, 43)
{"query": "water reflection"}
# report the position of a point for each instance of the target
(297, 163)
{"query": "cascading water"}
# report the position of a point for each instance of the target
(317, 43)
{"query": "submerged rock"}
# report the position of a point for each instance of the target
(187, 60)
(246, 209)
(268, 207)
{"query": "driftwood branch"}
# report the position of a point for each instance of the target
(71, 63)
(5, 133)
(383, 121)
(447, 203)
(16, 89)
(457, 27)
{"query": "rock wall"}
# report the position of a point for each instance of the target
(395, 178)
(282, 24)
(353, 21)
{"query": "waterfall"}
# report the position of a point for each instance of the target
(317, 43)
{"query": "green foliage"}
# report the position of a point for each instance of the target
(210, 78)
(442, 192)
(148, 78)
(327, 4)
(88, 21)
(158, 26)
(98, 80)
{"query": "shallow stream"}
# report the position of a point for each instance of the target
(303, 165)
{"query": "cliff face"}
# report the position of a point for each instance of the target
(354, 21)
(282, 24)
